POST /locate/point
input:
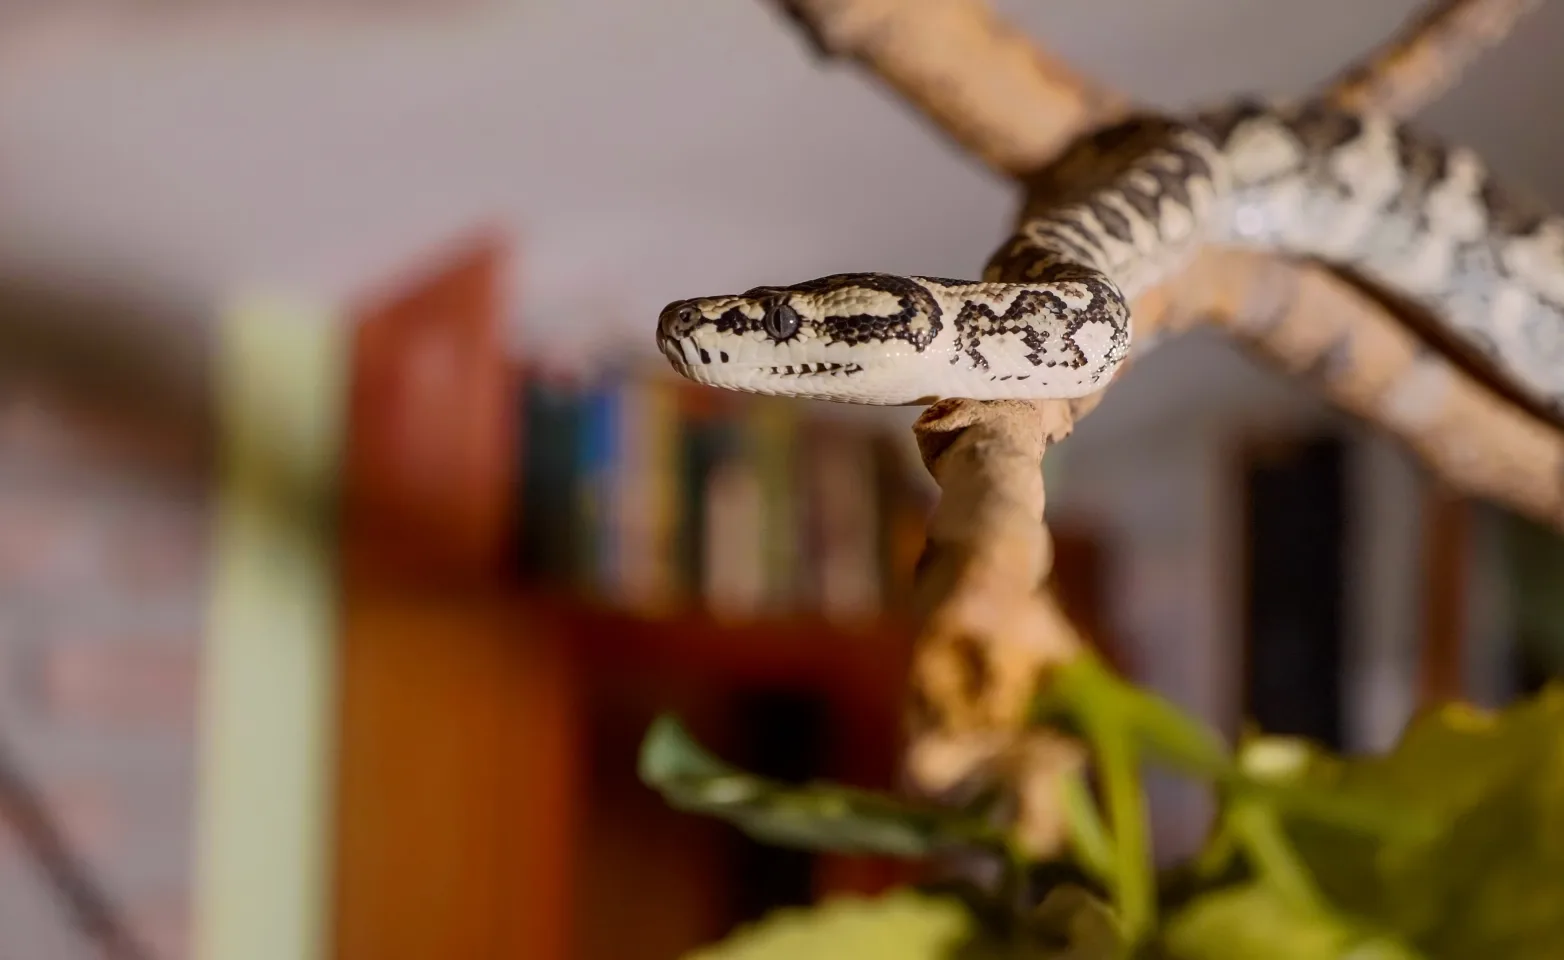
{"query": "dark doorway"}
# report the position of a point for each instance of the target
(1294, 608)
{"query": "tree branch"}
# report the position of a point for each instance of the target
(987, 87)
(1428, 56)
(987, 631)
(1319, 328)
(981, 82)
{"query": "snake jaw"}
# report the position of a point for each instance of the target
(778, 340)
(723, 368)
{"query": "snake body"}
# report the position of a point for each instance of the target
(1125, 208)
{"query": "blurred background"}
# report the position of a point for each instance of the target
(351, 531)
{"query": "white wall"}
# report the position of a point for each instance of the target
(643, 151)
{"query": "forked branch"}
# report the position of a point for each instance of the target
(1016, 106)
(982, 83)
(1428, 56)
(987, 629)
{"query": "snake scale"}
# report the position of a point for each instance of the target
(1125, 208)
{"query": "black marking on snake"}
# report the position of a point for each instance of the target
(705, 355)
(724, 355)
(1164, 162)
(734, 320)
(1125, 136)
(1222, 123)
(1517, 216)
(914, 302)
(1116, 160)
(1065, 271)
(946, 282)
(1147, 204)
(1172, 182)
(805, 369)
(1423, 159)
(977, 321)
(1320, 125)
(1054, 237)
(679, 343)
(1114, 223)
(1512, 214)
(1049, 256)
(1424, 165)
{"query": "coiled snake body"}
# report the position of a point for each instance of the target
(1121, 211)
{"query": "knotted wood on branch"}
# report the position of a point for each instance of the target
(988, 629)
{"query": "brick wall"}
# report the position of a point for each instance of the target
(103, 543)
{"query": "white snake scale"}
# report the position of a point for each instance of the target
(1122, 210)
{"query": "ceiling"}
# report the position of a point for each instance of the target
(638, 151)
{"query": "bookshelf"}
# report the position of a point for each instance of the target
(533, 566)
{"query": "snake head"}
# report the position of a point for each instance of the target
(856, 337)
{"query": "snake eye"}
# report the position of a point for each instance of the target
(688, 315)
(780, 321)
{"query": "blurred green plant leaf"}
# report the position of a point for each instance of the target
(815, 816)
(1070, 924)
(1253, 921)
(1124, 725)
(1161, 733)
(902, 925)
(1489, 881)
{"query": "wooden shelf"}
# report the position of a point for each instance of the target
(797, 649)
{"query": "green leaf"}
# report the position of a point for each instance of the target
(902, 925)
(1252, 921)
(1085, 692)
(816, 816)
(1102, 710)
(1073, 924)
(1123, 724)
(1489, 882)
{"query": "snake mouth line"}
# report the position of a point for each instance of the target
(813, 369)
(684, 355)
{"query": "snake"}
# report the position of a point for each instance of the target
(1126, 207)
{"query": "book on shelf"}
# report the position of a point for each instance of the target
(656, 495)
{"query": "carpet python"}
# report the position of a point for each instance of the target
(1125, 208)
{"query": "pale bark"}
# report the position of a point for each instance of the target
(1428, 56)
